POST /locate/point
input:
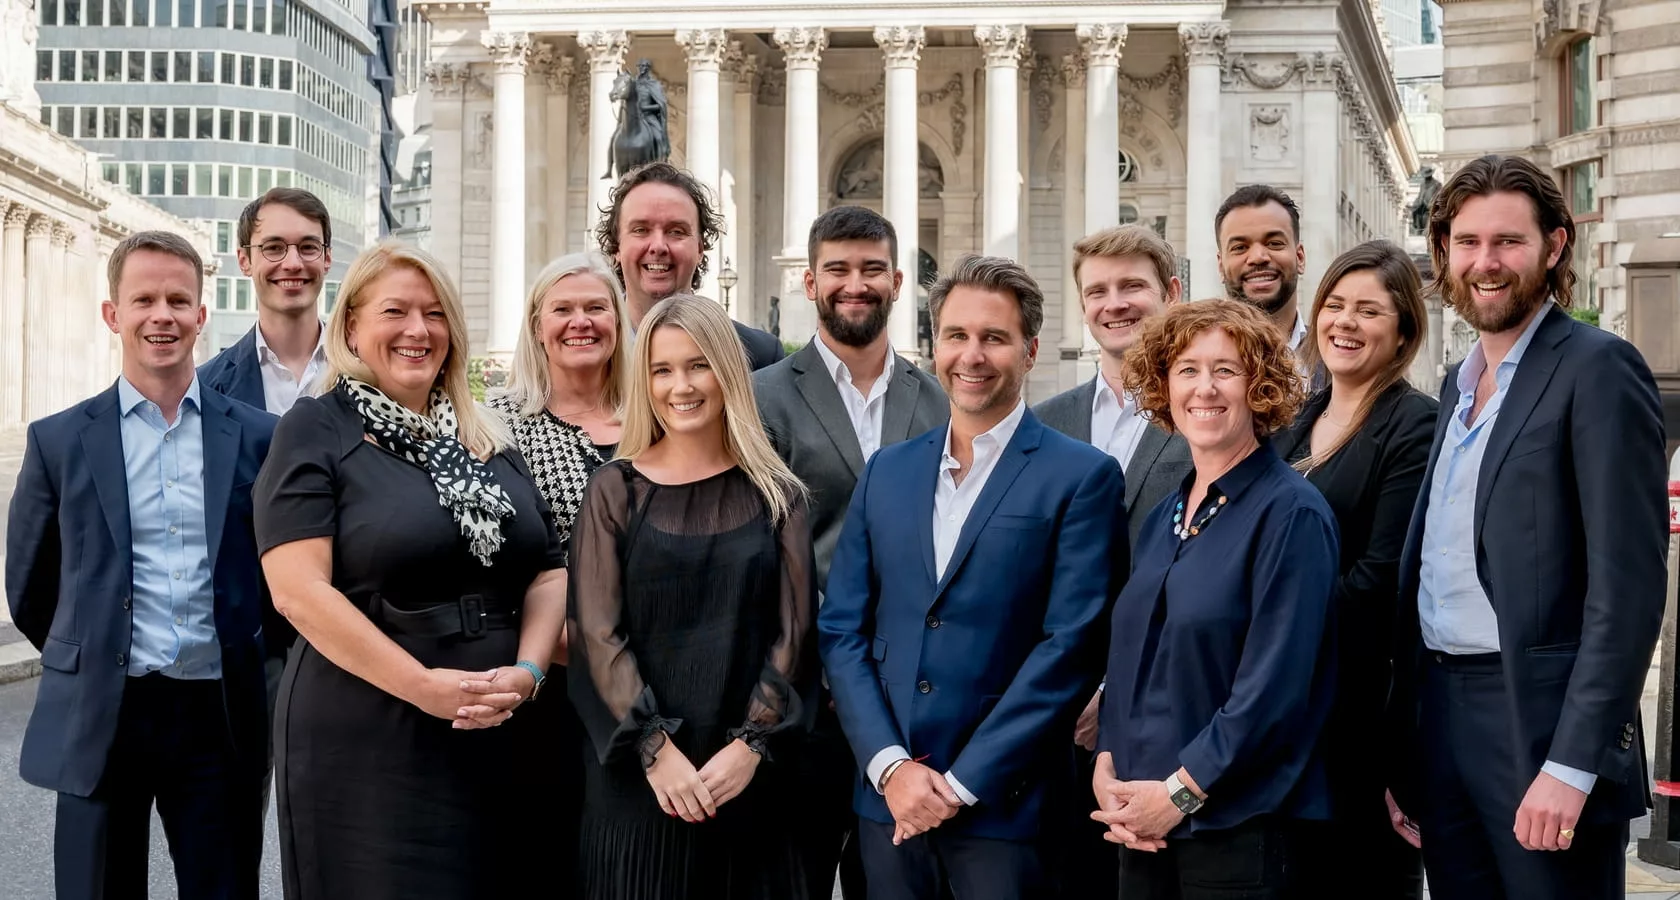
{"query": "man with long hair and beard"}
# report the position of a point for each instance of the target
(828, 408)
(1533, 575)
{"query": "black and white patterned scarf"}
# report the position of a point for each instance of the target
(465, 486)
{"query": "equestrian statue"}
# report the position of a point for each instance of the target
(642, 135)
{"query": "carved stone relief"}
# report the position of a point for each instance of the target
(1268, 134)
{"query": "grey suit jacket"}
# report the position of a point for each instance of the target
(1156, 468)
(808, 424)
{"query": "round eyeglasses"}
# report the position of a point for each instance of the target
(275, 251)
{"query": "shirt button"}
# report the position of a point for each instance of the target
(172, 529)
(177, 574)
(180, 621)
(169, 484)
(924, 687)
(166, 438)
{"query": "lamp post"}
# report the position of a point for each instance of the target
(727, 280)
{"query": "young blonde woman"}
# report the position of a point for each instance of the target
(691, 605)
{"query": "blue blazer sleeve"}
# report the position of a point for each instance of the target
(845, 634)
(1046, 691)
(33, 549)
(1272, 701)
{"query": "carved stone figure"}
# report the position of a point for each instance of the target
(643, 132)
(1427, 189)
(774, 320)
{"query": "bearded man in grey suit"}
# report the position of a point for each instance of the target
(828, 408)
(1124, 276)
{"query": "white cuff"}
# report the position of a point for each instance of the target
(1575, 778)
(879, 762)
(968, 799)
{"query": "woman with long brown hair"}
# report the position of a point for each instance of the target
(1363, 441)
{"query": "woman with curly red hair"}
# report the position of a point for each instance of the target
(1220, 666)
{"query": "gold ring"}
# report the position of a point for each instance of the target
(1567, 834)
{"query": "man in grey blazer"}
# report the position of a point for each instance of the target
(827, 409)
(1124, 276)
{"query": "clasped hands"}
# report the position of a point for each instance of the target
(919, 799)
(1139, 814)
(475, 699)
(695, 795)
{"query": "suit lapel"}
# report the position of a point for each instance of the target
(902, 396)
(1148, 450)
(102, 444)
(221, 449)
(817, 386)
(927, 480)
(1009, 465)
(1533, 373)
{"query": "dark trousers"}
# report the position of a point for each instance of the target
(1081, 863)
(827, 831)
(1262, 859)
(273, 668)
(946, 863)
(173, 748)
(1472, 786)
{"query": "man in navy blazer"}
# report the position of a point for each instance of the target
(961, 626)
(131, 565)
(1533, 578)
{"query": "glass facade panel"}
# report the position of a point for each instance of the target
(90, 122)
(158, 123)
(283, 128)
(186, 15)
(242, 295)
(160, 65)
(245, 183)
(245, 126)
(206, 66)
(206, 124)
(117, 14)
(49, 12)
(67, 66)
(224, 181)
(72, 12)
(140, 13)
(180, 179)
(66, 120)
(113, 65)
(204, 176)
(90, 65)
(223, 286)
(156, 178)
(165, 14)
(43, 65)
(182, 121)
(113, 122)
(229, 63)
(136, 65)
(247, 70)
(265, 129)
(265, 73)
(1581, 78)
(226, 132)
(136, 123)
(183, 66)
(265, 180)
(96, 12)
(132, 174)
(285, 75)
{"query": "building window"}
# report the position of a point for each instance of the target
(160, 65)
(330, 295)
(96, 12)
(1581, 182)
(157, 177)
(223, 288)
(187, 17)
(132, 178)
(203, 183)
(67, 66)
(159, 119)
(224, 237)
(182, 116)
(136, 65)
(113, 122)
(90, 65)
(206, 66)
(113, 65)
(43, 65)
(142, 13)
(206, 123)
(49, 12)
(1580, 110)
(90, 122)
(136, 124)
(242, 296)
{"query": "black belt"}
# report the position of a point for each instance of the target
(471, 616)
(1465, 662)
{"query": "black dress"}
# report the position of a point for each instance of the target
(377, 798)
(691, 616)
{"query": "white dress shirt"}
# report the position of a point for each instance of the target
(952, 502)
(280, 387)
(864, 411)
(1116, 427)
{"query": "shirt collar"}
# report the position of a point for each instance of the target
(991, 441)
(837, 367)
(129, 397)
(264, 354)
(1125, 401)
(1233, 483)
(1475, 363)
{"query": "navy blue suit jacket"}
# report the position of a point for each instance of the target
(981, 672)
(70, 572)
(236, 373)
(1571, 549)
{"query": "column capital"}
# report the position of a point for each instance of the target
(1073, 71)
(748, 71)
(61, 234)
(17, 216)
(1004, 45)
(1101, 43)
(509, 50)
(902, 44)
(39, 226)
(606, 49)
(556, 69)
(704, 47)
(1204, 42)
(802, 46)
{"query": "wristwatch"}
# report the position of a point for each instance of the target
(1181, 796)
(537, 673)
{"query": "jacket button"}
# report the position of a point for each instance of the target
(933, 622)
(924, 687)
(125, 603)
(122, 660)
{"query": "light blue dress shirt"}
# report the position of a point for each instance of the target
(174, 630)
(1454, 613)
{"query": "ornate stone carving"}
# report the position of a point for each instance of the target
(1204, 42)
(62, 235)
(39, 227)
(803, 47)
(1004, 45)
(556, 71)
(748, 73)
(772, 84)
(1073, 71)
(17, 216)
(581, 102)
(902, 45)
(1045, 79)
(606, 49)
(509, 50)
(873, 107)
(1268, 134)
(446, 80)
(484, 139)
(704, 47)
(1101, 44)
(1170, 77)
(862, 174)
(1311, 68)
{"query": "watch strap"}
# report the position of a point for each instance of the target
(537, 672)
(1181, 796)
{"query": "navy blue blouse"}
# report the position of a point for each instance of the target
(1221, 650)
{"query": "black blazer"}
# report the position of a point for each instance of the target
(236, 373)
(1571, 548)
(763, 348)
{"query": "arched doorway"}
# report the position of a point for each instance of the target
(860, 179)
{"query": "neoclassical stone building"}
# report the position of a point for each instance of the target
(61, 221)
(1009, 128)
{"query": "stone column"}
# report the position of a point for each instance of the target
(66, 307)
(729, 247)
(1101, 46)
(558, 77)
(12, 322)
(901, 190)
(1320, 217)
(704, 49)
(1000, 226)
(749, 307)
(510, 51)
(606, 51)
(1076, 343)
(801, 192)
(37, 315)
(1204, 184)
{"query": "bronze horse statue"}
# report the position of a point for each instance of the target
(642, 135)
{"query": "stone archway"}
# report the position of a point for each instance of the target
(860, 175)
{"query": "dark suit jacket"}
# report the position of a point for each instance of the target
(1571, 547)
(70, 570)
(236, 373)
(983, 671)
(808, 425)
(1371, 484)
(763, 348)
(1157, 466)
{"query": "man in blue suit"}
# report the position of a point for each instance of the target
(131, 565)
(964, 610)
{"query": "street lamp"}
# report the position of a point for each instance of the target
(727, 279)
